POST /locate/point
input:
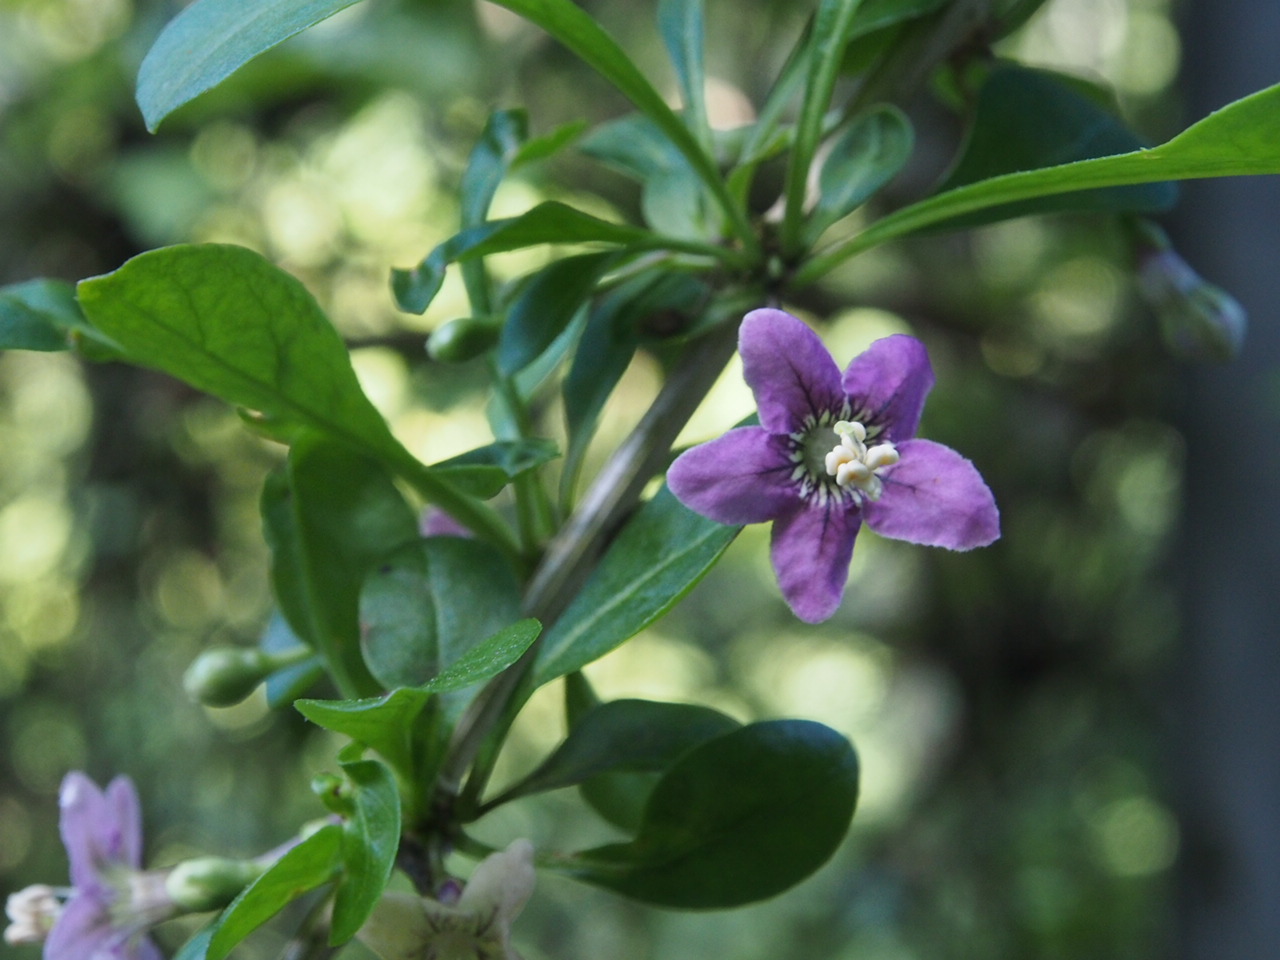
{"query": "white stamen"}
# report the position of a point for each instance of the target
(33, 912)
(853, 465)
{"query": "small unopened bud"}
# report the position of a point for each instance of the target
(223, 676)
(209, 883)
(1197, 319)
(463, 339)
(335, 793)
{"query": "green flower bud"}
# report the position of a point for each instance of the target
(209, 883)
(223, 676)
(463, 339)
(334, 792)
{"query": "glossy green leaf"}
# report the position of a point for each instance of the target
(634, 736)
(287, 684)
(681, 24)
(1028, 119)
(430, 603)
(330, 517)
(545, 306)
(550, 222)
(211, 39)
(660, 554)
(488, 658)
(229, 322)
(737, 818)
(384, 724)
(483, 472)
(370, 840)
(865, 157)
(1241, 139)
(312, 863)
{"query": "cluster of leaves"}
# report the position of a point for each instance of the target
(434, 643)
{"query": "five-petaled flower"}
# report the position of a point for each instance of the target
(474, 926)
(112, 903)
(831, 452)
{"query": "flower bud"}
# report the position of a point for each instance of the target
(223, 676)
(209, 883)
(463, 339)
(1197, 319)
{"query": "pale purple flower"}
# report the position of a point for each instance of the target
(113, 902)
(831, 452)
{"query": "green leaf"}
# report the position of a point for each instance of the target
(609, 340)
(286, 685)
(427, 605)
(211, 39)
(865, 157)
(660, 554)
(483, 472)
(635, 736)
(230, 323)
(833, 26)
(487, 658)
(197, 947)
(330, 517)
(385, 725)
(736, 819)
(310, 864)
(370, 840)
(488, 164)
(1241, 139)
(545, 307)
(550, 222)
(573, 27)
(37, 314)
(549, 144)
(1029, 119)
(681, 25)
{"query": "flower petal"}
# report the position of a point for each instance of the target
(935, 497)
(501, 884)
(741, 477)
(83, 811)
(811, 550)
(788, 369)
(83, 930)
(122, 837)
(889, 381)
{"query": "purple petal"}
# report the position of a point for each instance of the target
(83, 810)
(890, 381)
(788, 369)
(811, 551)
(122, 838)
(741, 477)
(82, 931)
(935, 497)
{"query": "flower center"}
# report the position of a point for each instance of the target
(855, 465)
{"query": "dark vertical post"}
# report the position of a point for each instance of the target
(1226, 707)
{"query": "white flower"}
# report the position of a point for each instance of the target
(476, 927)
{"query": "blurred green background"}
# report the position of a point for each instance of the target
(1009, 705)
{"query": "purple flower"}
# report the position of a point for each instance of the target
(831, 452)
(113, 903)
